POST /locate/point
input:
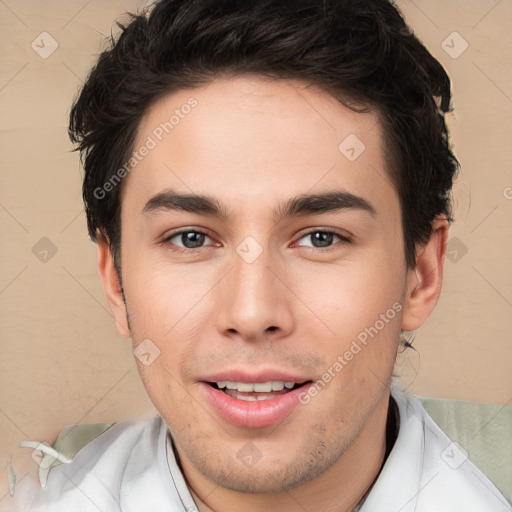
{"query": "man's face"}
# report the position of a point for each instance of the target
(263, 297)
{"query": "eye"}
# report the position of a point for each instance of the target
(322, 238)
(187, 240)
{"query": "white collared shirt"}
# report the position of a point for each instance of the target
(131, 468)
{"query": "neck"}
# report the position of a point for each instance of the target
(338, 489)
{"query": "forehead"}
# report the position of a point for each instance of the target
(243, 138)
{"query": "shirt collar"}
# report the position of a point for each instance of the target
(399, 483)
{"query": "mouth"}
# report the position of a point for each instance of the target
(257, 391)
(253, 403)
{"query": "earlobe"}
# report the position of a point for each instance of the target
(112, 287)
(424, 281)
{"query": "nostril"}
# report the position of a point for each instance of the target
(272, 328)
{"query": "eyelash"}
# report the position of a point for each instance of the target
(343, 240)
(167, 241)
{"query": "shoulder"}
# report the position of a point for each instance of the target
(448, 479)
(105, 472)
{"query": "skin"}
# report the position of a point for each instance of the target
(252, 144)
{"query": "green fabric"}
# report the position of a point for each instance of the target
(73, 438)
(70, 440)
(484, 431)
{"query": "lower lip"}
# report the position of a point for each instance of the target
(258, 414)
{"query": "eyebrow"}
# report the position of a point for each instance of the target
(304, 204)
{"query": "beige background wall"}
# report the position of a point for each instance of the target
(62, 360)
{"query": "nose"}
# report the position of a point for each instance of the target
(255, 302)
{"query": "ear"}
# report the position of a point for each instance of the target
(112, 287)
(425, 279)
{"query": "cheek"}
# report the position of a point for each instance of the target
(358, 308)
(164, 298)
(169, 305)
(360, 305)
(352, 295)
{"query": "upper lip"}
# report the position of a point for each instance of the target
(254, 377)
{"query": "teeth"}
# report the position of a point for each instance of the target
(247, 388)
(250, 398)
(277, 386)
(257, 398)
(259, 387)
(264, 387)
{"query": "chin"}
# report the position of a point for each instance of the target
(255, 471)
